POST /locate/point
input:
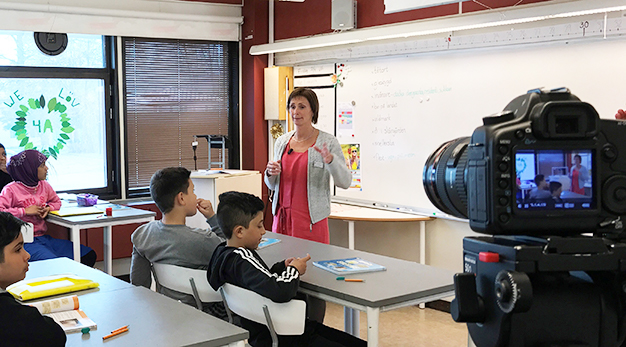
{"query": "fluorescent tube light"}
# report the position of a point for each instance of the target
(457, 23)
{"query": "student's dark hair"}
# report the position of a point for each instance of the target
(237, 208)
(539, 178)
(166, 183)
(10, 228)
(310, 96)
(554, 186)
(2, 146)
(579, 157)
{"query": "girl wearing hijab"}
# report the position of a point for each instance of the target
(30, 198)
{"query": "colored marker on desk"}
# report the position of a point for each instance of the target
(116, 332)
(341, 278)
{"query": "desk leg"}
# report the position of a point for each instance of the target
(351, 234)
(75, 235)
(372, 326)
(423, 248)
(108, 249)
(351, 316)
(351, 321)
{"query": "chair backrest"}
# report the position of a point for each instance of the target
(286, 318)
(186, 280)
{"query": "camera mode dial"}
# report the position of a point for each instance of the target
(514, 292)
(614, 194)
(500, 117)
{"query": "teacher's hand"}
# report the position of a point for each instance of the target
(273, 168)
(326, 155)
(621, 114)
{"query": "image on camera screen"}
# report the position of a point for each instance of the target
(554, 180)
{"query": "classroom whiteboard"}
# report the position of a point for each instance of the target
(403, 108)
(318, 78)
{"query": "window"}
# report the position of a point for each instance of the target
(61, 106)
(174, 90)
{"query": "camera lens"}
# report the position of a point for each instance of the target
(444, 177)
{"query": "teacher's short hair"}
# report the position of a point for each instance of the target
(310, 96)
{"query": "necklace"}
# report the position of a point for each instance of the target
(308, 137)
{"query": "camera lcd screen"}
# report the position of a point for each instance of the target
(554, 180)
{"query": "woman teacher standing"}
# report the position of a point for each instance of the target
(579, 175)
(300, 178)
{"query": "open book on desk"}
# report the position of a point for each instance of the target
(76, 211)
(42, 287)
(348, 266)
(65, 311)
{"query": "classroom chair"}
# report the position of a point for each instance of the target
(185, 280)
(280, 318)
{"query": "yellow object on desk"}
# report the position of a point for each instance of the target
(49, 285)
(76, 211)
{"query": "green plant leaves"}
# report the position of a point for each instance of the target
(34, 104)
(52, 104)
(52, 152)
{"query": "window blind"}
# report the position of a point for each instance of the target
(174, 90)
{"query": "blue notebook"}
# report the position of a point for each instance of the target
(267, 242)
(348, 266)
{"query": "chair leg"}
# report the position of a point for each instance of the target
(196, 296)
(270, 326)
(228, 312)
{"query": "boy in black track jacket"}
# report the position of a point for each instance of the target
(240, 217)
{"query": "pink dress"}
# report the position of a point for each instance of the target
(292, 217)
(575, 187)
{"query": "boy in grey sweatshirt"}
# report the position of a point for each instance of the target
(169, 240)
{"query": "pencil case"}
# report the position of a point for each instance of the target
(86, 199)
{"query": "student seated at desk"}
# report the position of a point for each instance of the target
(240, 216)
(556, 188)
(540, 192)
(21, 325)
(30, 198)
(169, 240)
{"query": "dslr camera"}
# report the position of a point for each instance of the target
(546, 179)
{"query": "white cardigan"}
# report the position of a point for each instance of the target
(318, 174)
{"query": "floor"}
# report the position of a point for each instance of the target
(407, 327)
(404, 327)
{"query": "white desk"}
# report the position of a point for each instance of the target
(121, 216)
(404, 283)
(210, 187)
(351, 214)
(154, 320)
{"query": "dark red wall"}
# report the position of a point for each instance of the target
(312, 17)
(235, 2)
